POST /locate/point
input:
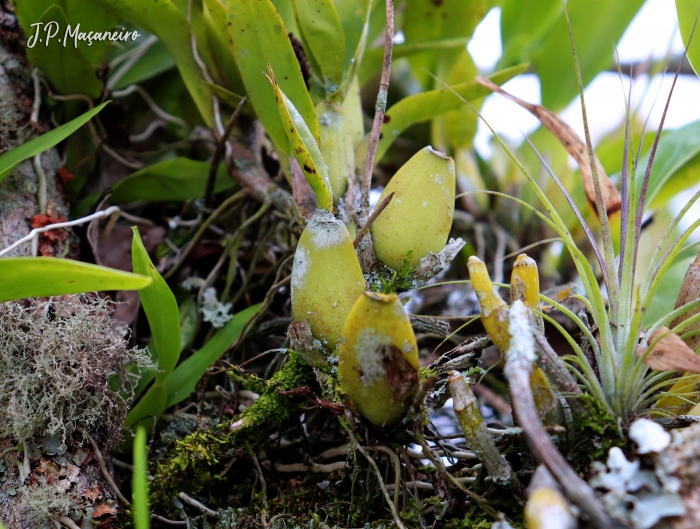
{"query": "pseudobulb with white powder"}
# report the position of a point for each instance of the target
(326, 277)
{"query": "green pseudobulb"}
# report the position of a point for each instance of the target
(326, 277)
(419, 217)
(378, 359)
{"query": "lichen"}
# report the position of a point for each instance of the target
(56, 359)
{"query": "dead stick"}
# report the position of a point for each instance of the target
(219, 152)
(519, 360)
(380, 109)
(377, 211)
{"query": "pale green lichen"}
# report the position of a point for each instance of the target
(56, 361)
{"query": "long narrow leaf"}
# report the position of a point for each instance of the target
(27, 277)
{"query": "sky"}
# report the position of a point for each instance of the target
(650, 34)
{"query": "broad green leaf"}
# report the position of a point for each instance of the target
(184, 379)
(154, 62)
(176, 179)
(427, 105)
(65, 66)
(597, 25)
(10, 159)
(163, 19)
(320, 25)
(372, 60)
(524, 23)
(429, 21)
(91, 17)
(687, 11)
(161, 310)
(676, 164)
(31, 277)
(139, 482)
(259, 38)
(304, 147)
(353, 17)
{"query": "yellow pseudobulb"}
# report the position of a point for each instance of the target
(326, 277)
(378, 359)
(419, 217)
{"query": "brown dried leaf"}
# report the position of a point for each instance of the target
(690, 291)
(670, 353)
(574, 145)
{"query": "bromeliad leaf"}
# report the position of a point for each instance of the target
(184, 379)
(27, 277)
(259, 37)
(323, 32)
(427, 105)
(304, 146)
(10, 159)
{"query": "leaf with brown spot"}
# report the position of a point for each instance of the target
(670, 353)
(575, 146)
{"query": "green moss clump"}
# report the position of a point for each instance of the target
(400, 280)
(193, 457)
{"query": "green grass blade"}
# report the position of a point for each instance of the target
(27, 277)
(10, 159)
(161, 310)
(139, 483)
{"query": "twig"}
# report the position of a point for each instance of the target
(377, 211)
(397, 469)
(8, 450)
(519, 360)
(184, 497)
(303, 467)
(38, 231)
(380, 109)
(168, 520)
(219, 152)
(371, 461)
(103, 467)
(162, 114)
(261, 478)
(422, 485)
(455, 481)
(67, 522)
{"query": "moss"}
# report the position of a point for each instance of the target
(392, 281)
(596, 433)
(193, 457)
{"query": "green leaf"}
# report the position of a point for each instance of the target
(304, 146)
(30, 277)
(139, 482)
(184, 379)
(427, 105)
(429, 21)
(161, 310)
(353, 17)
(176, 179)
(524, 23)
(91, 17)
(259, 38)
(318, 21)
(154, 62)
(232, 99)
(372, 60)
(597, 25)
(163, 19)
(676, 164)
(65, 66)
(687, 11)
(10, 159)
